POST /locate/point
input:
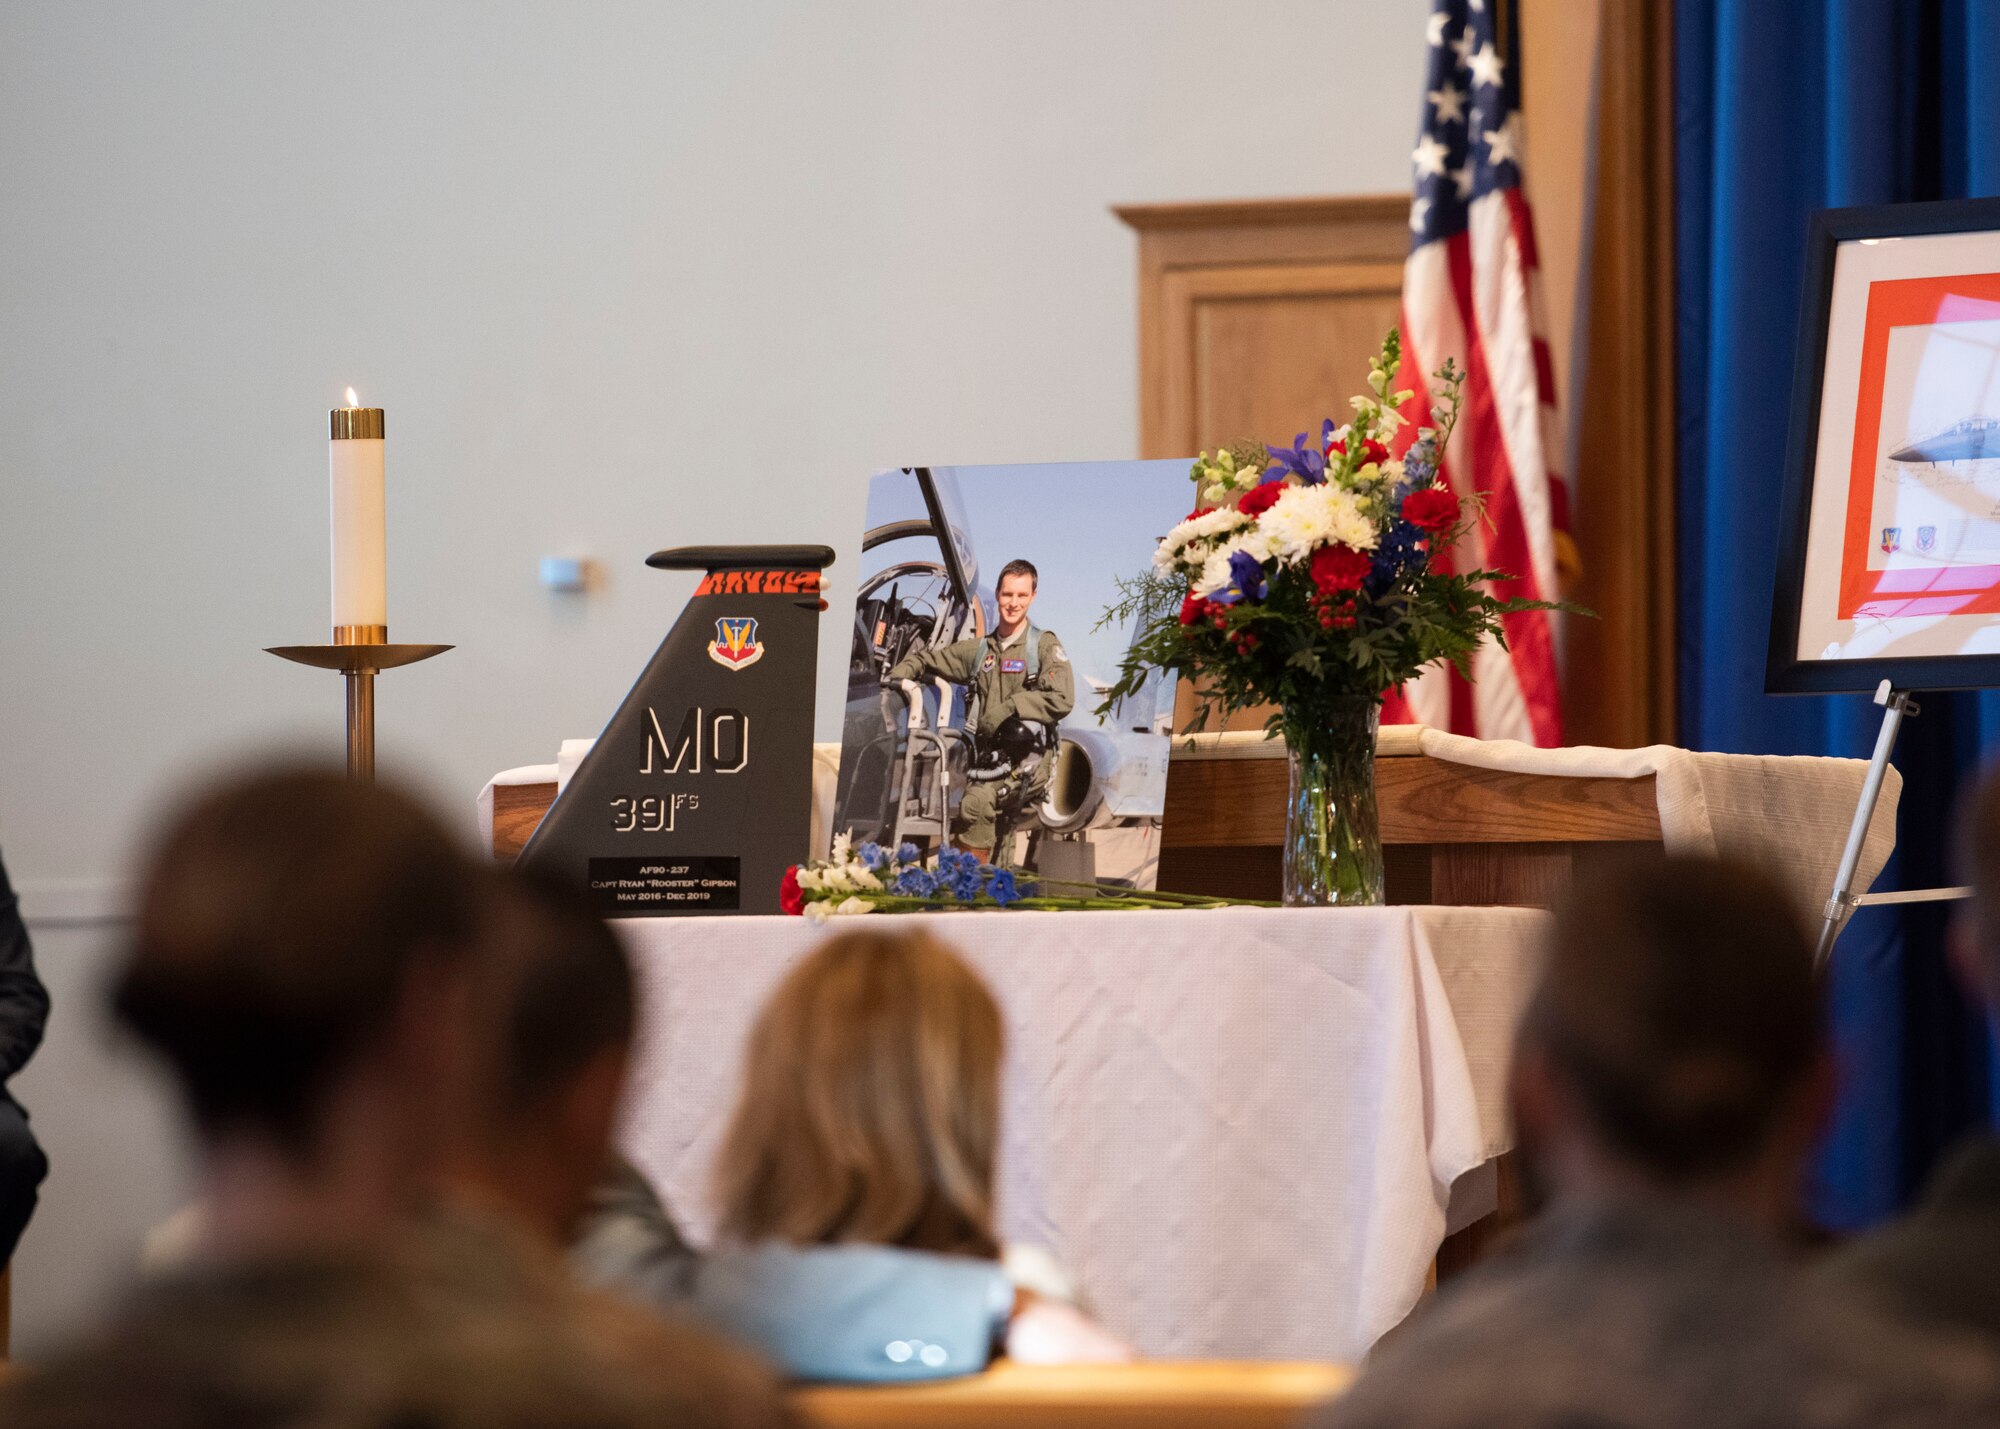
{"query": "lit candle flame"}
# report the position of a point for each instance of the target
(352, 400)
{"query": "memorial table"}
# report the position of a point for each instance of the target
(1241, 1129)
(1238, 1128)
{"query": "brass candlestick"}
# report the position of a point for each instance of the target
(360, 658)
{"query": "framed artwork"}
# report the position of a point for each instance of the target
(1889, 543)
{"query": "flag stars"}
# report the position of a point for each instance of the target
(1503, 145)
(1464, 45)
(1429, 156)
(1434, 29)
(1486, 67)
(1462, 176)
(1450, 102)
(1419, 210)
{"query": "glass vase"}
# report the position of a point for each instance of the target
(1333, 842)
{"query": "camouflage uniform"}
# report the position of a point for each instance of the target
(998, 676)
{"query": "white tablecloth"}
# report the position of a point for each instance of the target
(1239, 1129)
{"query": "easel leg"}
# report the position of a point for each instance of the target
(1896, 704)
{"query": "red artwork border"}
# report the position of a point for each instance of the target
(1961, 590)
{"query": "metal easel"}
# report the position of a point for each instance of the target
(1896, 704)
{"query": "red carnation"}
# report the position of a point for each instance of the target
(1198, 511)
(791, 897)
(1336, 568)
(1433, 509)
(1261, 499)
(1194, 609)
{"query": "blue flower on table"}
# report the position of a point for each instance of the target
(873, 856)
(1001, 887)
(916, 883)
(965, 880)
(907, 853)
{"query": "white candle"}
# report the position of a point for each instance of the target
(360, 529)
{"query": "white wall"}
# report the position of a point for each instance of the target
(625, 275)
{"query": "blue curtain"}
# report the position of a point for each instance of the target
(1782, 107)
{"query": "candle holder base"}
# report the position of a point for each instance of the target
(360, 664)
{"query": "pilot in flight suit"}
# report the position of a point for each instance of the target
(1006, 684)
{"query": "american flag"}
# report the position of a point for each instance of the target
(1470, 293)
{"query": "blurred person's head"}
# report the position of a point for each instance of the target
(1675, 1041)
(297, 962)
(552, 1005)
(870, 1103)
(1975, 935)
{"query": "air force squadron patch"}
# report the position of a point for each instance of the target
(736, 645)
(1058, 656)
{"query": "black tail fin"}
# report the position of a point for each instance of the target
(697, 795)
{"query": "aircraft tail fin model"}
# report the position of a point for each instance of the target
(698, 794)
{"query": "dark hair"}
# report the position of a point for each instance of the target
(1679, 1006)
(1018, 568)
(554, 985)
(280, 917)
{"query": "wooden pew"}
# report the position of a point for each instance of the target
(1160, 1395)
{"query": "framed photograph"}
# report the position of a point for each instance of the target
(980, 654)
(1889, 554)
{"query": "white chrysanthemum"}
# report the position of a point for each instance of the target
(1349, 522)
(1256, 541)
(1214, 575)
(843, 847)
(1174, 548)
(1307, 517)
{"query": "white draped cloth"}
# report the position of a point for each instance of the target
(1239, 1129)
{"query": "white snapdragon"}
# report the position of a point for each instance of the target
(850, 906)
(810, 880)
(843, 848)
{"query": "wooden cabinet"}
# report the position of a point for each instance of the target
(1260, 317)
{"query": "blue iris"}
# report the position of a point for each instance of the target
(1307, 463)
(1246, 580)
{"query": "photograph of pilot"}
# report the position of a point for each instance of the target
(1021, 688)
(981, 657)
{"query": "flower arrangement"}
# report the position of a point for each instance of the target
(1309, 573)
(1309, 577)
(868, 878)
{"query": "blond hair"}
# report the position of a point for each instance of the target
(870, 1103)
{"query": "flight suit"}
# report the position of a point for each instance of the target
(999, 680)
